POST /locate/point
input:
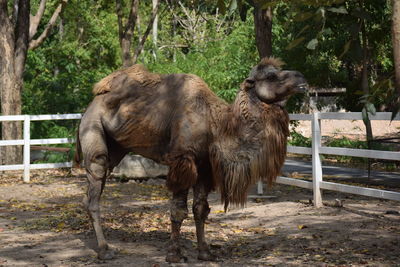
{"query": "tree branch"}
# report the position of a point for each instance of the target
(35, 43)
(130, 24)
(118, 10)
(146, 33)
(35, 20)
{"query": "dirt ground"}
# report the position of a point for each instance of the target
(43, 224)
(353, 129)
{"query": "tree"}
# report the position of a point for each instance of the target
(396, 46)
(263, 29)
(126, 30)
(262, 12)
(18, 29)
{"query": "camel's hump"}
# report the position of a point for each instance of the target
(136, 72)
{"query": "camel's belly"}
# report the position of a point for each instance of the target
(144, 139)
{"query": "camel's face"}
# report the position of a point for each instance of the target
(273, 85)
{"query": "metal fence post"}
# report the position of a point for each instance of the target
(316, 159)
(27, 148)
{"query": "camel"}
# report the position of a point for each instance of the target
(207, 143)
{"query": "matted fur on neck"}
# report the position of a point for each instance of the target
(251, 144)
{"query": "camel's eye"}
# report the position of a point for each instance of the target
(271, 76)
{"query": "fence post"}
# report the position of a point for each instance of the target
(316, 159)
(27, 148)
(260, 187)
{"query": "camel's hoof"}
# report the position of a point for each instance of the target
(205, 255)
(175, 258)
(106, 254)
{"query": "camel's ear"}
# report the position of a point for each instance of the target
(247, 84)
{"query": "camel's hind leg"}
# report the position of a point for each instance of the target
(96, 157)
(96, 184)
(98, 169)
(201, 210)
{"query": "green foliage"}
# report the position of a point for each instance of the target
(60, 73)
(222, 62)
(297, 139)
(346, 142)
(56, 157)
(321, 39)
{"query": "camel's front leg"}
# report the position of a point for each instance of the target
(201, 211)
(179, 212)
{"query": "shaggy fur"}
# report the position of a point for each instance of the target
(182, 174)
(271, 61)
(237, 164)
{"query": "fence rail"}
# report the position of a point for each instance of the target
(316, 150)
(27, 142)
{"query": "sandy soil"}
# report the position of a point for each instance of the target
(43, 224)
(351, 128)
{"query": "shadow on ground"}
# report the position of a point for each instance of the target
(43, 224)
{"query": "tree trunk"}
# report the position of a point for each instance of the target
(13, 48)
(263, 29)
(16, 36)
(364, 78)
(10, 94)
(365, 89)
(126, 52)
(396, 43)
(125, 32)
(11, 105)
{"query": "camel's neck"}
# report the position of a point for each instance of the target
(250, 144)
(244, 116)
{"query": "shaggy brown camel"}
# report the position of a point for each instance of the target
(178, 121)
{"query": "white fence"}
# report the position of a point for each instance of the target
(27, 142)
(316, 150)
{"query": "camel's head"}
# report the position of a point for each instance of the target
(271, 84)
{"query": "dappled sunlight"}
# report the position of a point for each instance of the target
(284, 229)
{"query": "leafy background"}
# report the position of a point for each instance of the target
(321, 39)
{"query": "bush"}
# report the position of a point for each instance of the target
(222, 63)
(297, 139)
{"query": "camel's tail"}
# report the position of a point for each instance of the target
(78, 151)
